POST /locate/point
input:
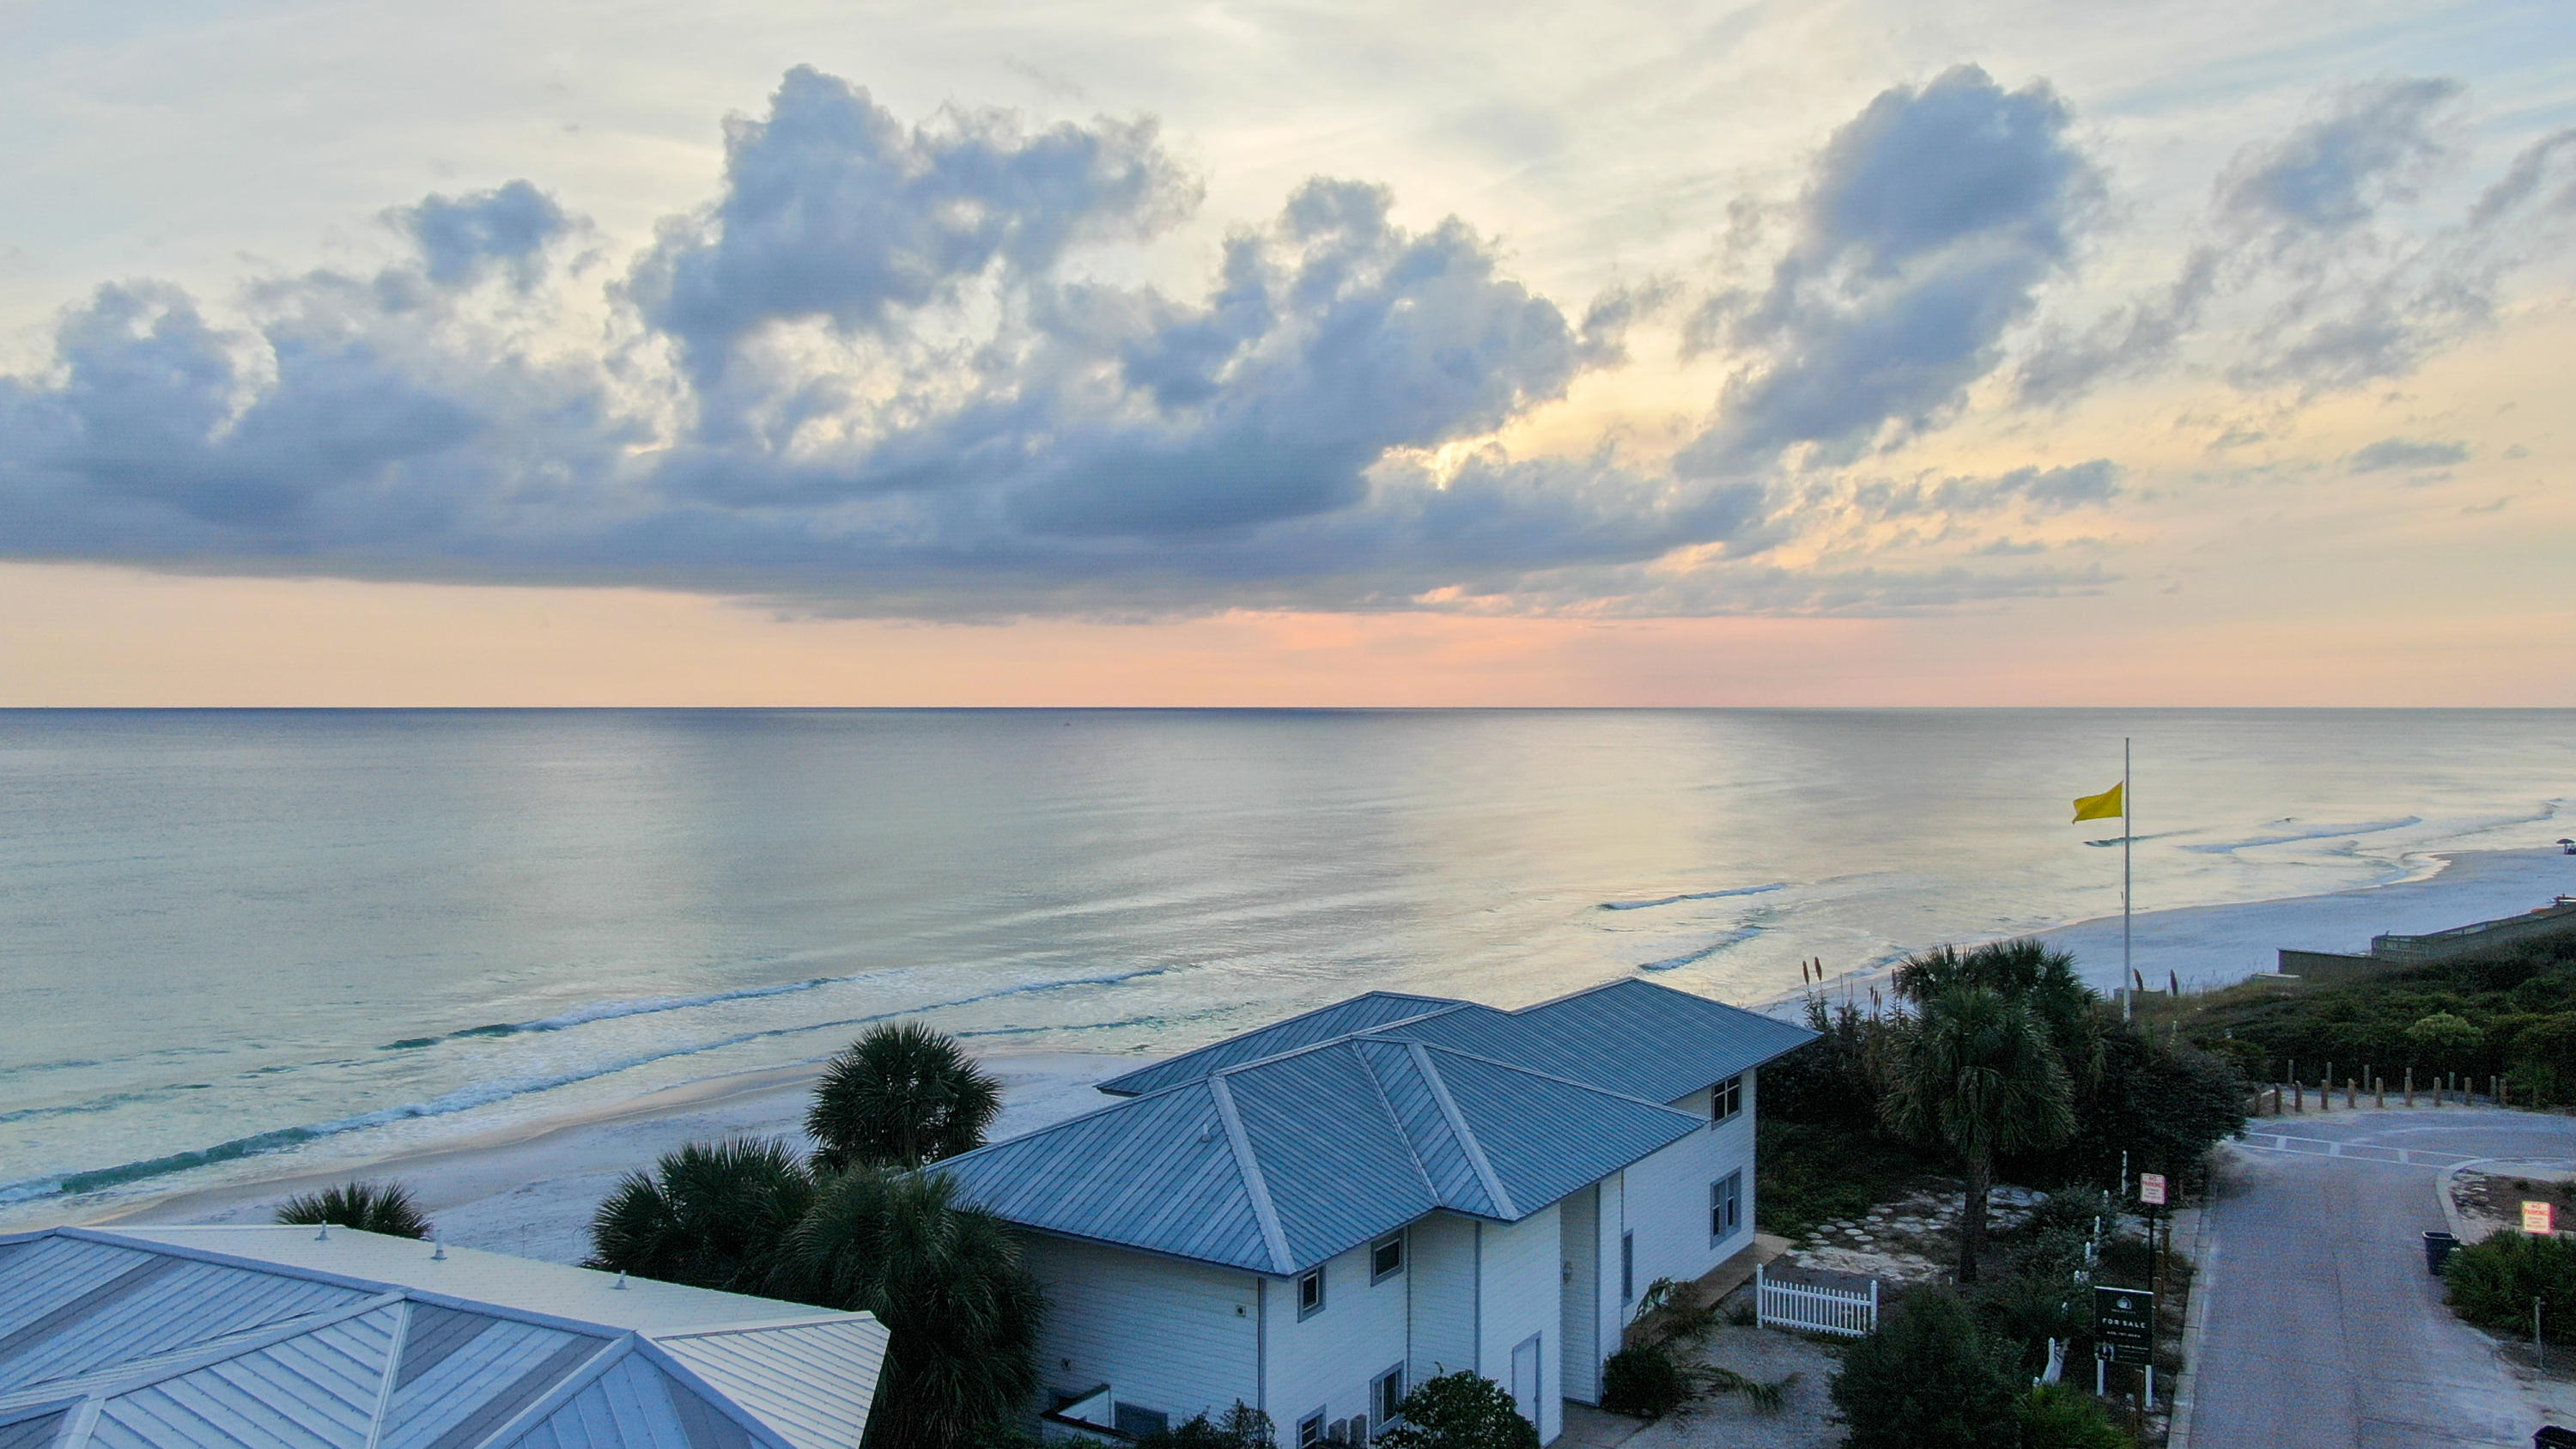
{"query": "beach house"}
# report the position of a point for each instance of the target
(1314, 1216)
(297, 1337)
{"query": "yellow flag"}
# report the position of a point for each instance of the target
(2105, 806)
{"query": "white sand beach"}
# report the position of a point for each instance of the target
(531, 1190)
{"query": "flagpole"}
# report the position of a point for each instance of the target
(2128, 833)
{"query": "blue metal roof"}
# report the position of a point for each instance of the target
(1369, 1011)
(1274, 1150)
(1279, 1164)
(1628, 1036)
(160, 1343)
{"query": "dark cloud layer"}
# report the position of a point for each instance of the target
(1932, 219)
(885, 371)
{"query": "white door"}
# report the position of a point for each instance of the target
(1525, 1385)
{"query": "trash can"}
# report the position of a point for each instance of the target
(2437, 1246)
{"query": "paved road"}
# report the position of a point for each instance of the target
(2324, 1331)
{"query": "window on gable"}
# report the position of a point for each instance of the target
(1386, 1397)
(1310, 1294)
(1310, 1430)
(1386, 1259)
(1726, 1099)
(1725, 1207)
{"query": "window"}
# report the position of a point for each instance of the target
(1310, 1294)
(1310, 1430)
(1627, 1266)
(1386, 1397)
(1136, 1423)
(1725, 1207)
(1386, 1259)
(1726, 1099)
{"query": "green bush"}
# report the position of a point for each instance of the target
(2493, 1284)
(2054, 1416)
(1243, 1427)
(1460, 1411)
(1927, 1380)
(1644, 1383)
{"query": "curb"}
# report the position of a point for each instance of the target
(2195, 1327)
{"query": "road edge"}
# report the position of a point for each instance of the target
(2195, 1323)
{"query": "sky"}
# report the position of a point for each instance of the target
(1100, 353)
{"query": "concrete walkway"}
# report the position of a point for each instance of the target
(2323, 1329)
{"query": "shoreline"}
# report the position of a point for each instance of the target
(529, 1188)
(2223, 944)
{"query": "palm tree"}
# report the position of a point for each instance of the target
(711, 1215)
(1975, 1072)
(900, 1096)
(2041, 977)
(945, 1279)
(370, 1207)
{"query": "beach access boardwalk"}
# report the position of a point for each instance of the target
(2322, 1328)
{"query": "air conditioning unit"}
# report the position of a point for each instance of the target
(1353, 1431)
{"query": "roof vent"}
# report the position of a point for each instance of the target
(439, 1255)
(323, 1236)
(621, 1279)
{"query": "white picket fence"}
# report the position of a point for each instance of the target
(1849, 1312)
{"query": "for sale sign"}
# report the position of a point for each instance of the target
(2539, 1219)
(2124, 1324)
(2151, 1188)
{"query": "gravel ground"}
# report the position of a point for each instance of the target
(1767, 1354)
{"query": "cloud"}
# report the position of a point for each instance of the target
(462, 239)
(834, 209)
(1930, 221)
(2392, 454)
(884, 372)
(2330, 290)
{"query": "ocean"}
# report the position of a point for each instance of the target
(236, 943)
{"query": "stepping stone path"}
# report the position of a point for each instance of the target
(1912, 1240)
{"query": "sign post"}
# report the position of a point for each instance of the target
(2124, 1331)
(2151, 1189)
(2539, 1219)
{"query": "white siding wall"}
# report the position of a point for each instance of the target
(1328, 1361)
(1519, 1266)
(1444, 1296)
(1167, 1335)
(1580, 1227)
(1663, 1201)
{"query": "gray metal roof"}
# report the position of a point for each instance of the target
(1279, 1164)
(146, 1338)
(1628, 1036)
(1274, 1150)
(1369, 1011)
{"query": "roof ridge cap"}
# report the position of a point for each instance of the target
(1467, 1143)
(1443, 1002)
(1355, 1034)
(109, 1381)
(1256, 1187)
(1429, 1189)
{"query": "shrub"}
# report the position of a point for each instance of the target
(370, 1207)
(710, 1215)
(1926, 1380)
(2493, 1283)
(2442, 1033)
(1460, 1411)
(2054, 1416)
(1644, 1383)
(1243, 1427)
